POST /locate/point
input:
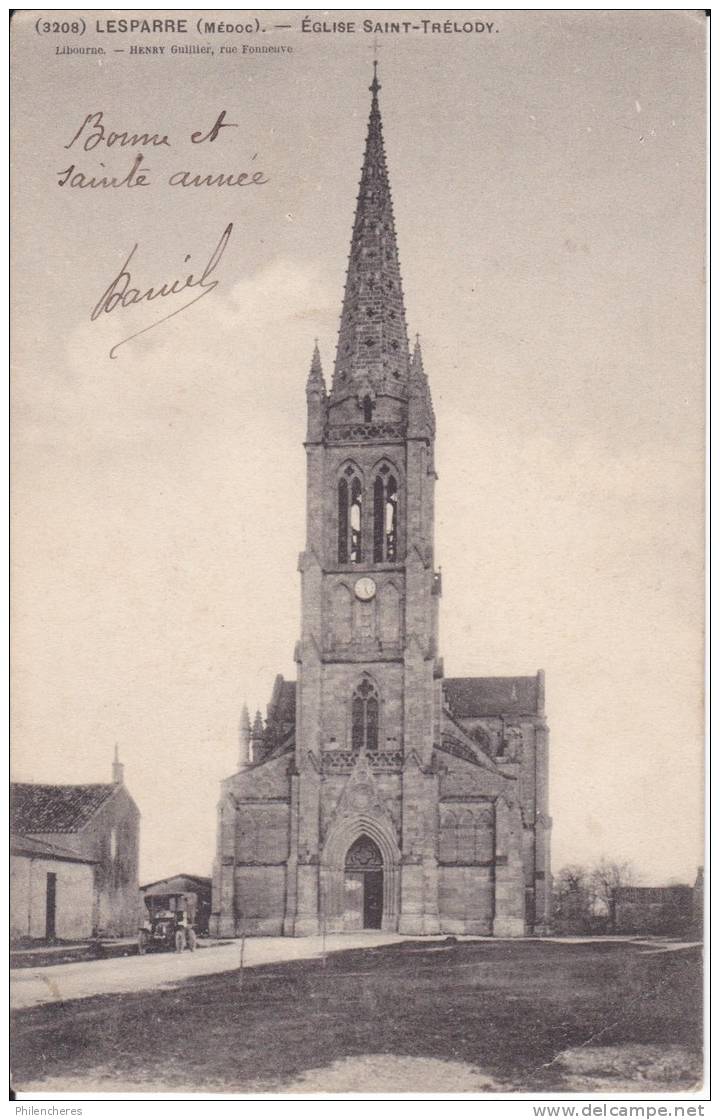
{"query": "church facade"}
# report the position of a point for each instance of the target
(377, 793)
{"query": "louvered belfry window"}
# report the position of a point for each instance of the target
(385, 516)
(350, 498)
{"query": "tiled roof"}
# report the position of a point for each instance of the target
(31, 846)
(491, 696)
(41, 808)
(285, 748)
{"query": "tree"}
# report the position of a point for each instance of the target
(572, 899)
(606, 878)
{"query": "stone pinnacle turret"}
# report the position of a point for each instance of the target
(257, 738)
(244, 738)
(316, 395)
(421, 415)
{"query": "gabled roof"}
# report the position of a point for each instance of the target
(491, 696)
(44, 808)
(202, 880)
(31, 846)
(287, 747)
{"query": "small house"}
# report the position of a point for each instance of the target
(74, 859)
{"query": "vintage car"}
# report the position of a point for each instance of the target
(169, 930)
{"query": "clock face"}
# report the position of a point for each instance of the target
(365, 588)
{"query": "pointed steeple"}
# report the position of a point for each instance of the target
(372, 343)
(416, 362)
(316, 381)
(244, 738)
(257, 738)
(421, 416)
(316, 395)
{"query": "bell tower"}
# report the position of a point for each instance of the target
(369, 590)
(367, 656)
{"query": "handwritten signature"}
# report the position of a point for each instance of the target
(120, 293)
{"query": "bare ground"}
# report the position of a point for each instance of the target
(474, 1017)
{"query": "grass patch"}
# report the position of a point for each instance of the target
(506, 1008)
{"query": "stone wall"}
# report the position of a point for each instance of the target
(467, 899)
(260, 900)
(74, 898)
(519, 745)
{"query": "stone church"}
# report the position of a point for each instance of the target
(378, 793)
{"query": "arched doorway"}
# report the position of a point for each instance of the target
(345, 832)
(363, 885)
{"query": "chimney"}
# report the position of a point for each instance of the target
(118, 770)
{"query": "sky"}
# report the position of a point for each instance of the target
(548, 187)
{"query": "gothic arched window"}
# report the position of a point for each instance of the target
(365, 717)
(349, 517)
(385, 516)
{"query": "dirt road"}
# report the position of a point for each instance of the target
(58, 983)
(50, 984)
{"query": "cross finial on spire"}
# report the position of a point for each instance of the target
(375, 86)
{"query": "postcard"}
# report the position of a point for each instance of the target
(358, 551)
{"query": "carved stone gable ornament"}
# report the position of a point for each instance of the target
(364, 855)
(361, 796)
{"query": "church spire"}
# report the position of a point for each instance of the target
(372, 343)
